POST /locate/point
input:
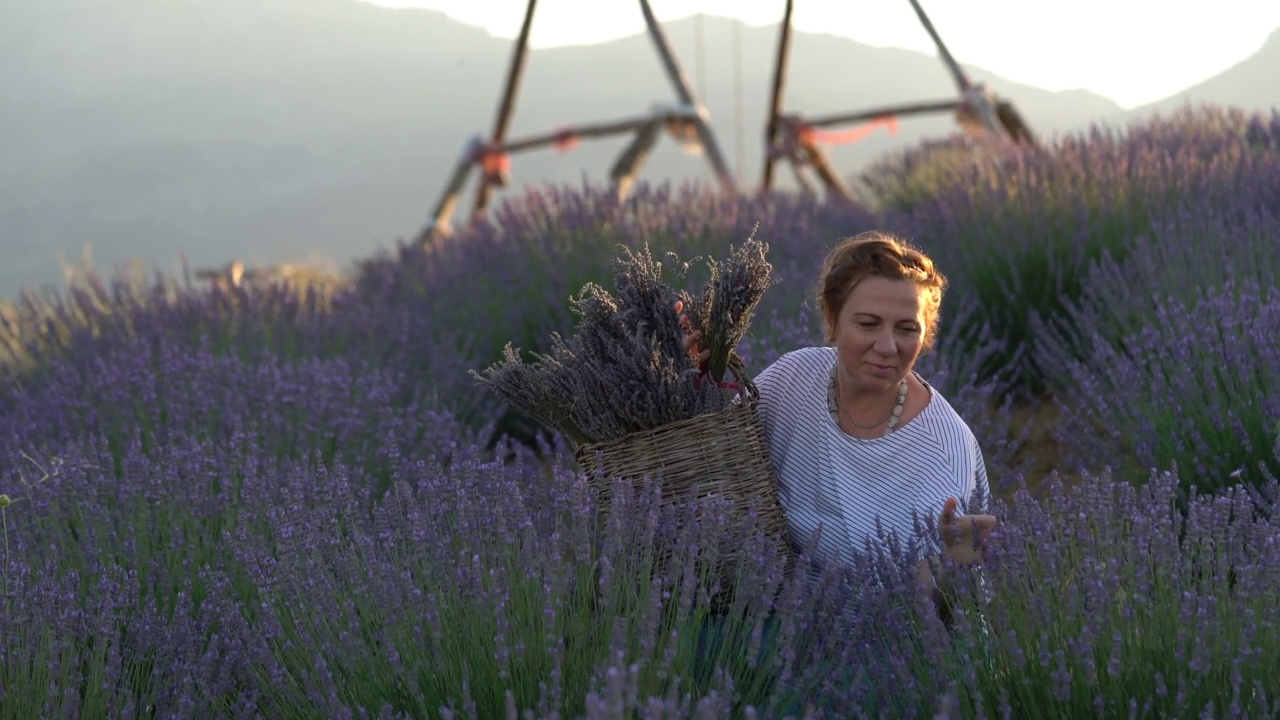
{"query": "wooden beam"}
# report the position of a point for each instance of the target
(922, 108)
(439, 222)
(681, 83)
(507, 107)
(775, 104)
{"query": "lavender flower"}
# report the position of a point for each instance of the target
(625, 369)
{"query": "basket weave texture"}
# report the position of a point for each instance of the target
(723, 454)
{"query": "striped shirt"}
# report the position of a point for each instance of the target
(839, 484)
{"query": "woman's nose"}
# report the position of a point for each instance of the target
(885, 344)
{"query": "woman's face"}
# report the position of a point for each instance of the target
(879, 332)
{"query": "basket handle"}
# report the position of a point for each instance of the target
(738, 367)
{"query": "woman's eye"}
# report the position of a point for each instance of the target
(866, 325)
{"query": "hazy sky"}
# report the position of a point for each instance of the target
(1132, 51)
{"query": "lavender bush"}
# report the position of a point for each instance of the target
(117, 601)
(485, 587)
(1195, 388)
(1189, 256)
(1106, 601)
(76, 328)
(96, 312)
(1018, 227)
(452, 600)
(265, 503)
(203, 583)
(149, 392)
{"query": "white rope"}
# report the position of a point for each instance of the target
(739, 103)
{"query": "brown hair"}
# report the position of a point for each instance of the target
(878, 254)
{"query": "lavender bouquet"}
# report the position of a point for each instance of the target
(625, 369)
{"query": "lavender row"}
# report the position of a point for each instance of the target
(200, 582)
(148, 393)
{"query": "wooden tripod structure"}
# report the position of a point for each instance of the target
(687, 120)
(795, 138)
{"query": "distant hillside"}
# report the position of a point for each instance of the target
(1252, 83)
(272, 130)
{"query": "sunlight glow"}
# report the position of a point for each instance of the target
(1134, 52)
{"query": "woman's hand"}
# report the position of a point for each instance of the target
(691, 337)
(964, 536)
(962, 539)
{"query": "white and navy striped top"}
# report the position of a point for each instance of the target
(830, 480)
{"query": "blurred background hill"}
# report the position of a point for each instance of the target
(287, 130)
(1253, 83)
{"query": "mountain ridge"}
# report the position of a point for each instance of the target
(273, 131)
(1252, 82)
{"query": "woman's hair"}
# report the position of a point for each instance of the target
(878, 254)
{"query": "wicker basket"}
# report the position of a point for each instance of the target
(716, 455)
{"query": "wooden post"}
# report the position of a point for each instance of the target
(633, 157)
(978, 101)
(507, 108)
(801, 180)
(683, 91)
(739, 107)
(775, 106)
(836, 189)
(1013, 124)
(699, 55)
(957, 74)
(439, 222)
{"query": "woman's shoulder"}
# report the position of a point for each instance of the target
(943, 417)
(796, 370)
(804, 359)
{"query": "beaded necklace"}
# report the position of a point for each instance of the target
(892, 417)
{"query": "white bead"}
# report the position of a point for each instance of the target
(897, 411)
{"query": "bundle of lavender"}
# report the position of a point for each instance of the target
(626, 368)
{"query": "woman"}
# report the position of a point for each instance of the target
(855, 433)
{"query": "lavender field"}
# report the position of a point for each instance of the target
(293, 501)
